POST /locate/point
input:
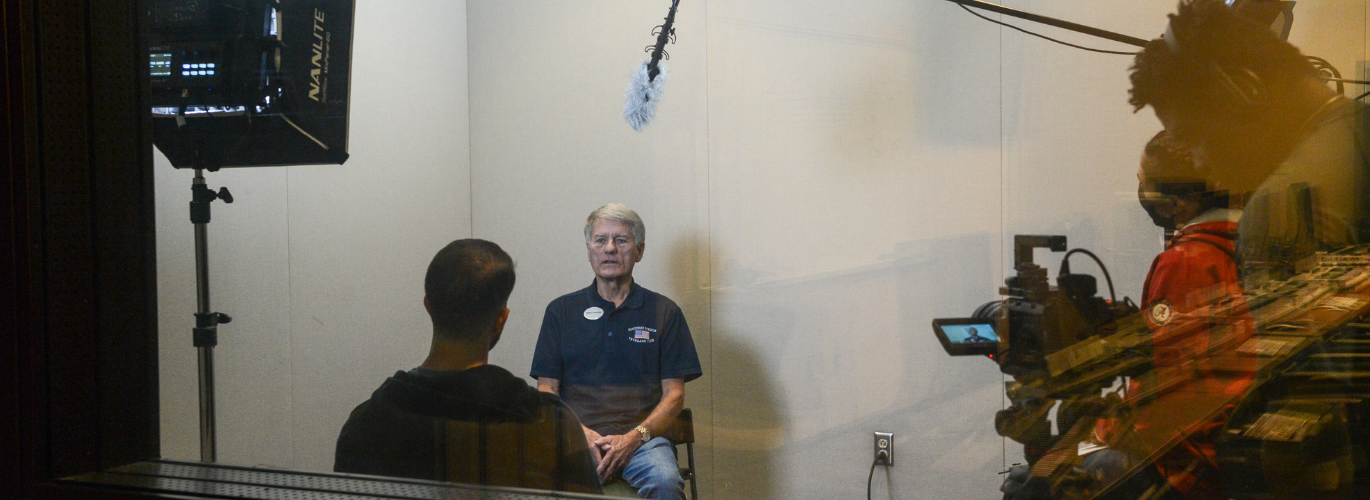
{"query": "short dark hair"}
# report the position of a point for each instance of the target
(1172, 171)
(1209, 35)
(468, 286)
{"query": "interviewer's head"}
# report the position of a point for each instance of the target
(467, 290)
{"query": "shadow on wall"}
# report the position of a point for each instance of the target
(941, 278)
(749, 425)
(855, 353)
(948, 403)
(935, 402)
(745, 424)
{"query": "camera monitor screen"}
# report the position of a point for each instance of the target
(967, 336)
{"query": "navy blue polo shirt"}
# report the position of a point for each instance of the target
(611, 361)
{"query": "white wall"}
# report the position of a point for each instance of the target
(844, 124)
(822, 179)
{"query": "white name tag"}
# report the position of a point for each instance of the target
(593, 313)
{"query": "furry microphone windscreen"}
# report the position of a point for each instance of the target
(643, 92)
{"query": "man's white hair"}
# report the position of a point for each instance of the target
(617, 212)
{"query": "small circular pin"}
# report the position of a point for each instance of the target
(593, 313)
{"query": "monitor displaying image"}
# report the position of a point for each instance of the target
(970, 334)
(967, 336)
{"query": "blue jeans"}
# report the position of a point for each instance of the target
(653, 471)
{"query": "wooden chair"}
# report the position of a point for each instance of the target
(682, 431)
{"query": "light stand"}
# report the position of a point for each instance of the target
(243, 83)
(206, 332)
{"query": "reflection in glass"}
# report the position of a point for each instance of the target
(830, 216)
(1239, 377)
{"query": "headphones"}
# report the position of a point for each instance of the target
(1243, 86)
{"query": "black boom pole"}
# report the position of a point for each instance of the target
(1051, 21)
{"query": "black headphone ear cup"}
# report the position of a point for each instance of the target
(1244, 85)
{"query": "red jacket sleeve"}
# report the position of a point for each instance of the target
(1193, 302)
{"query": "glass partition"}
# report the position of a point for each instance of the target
(820, 183)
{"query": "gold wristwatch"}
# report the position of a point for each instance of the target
(646, 436)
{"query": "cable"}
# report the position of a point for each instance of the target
(871, 476)
(1044, 37)
(1091, 255)
(1343, 80)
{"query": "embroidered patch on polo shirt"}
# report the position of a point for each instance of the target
(642, 334)
(1160, 312)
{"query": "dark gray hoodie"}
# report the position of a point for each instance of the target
(482, 425)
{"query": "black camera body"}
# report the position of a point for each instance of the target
(1042, 332)
(1041, 319)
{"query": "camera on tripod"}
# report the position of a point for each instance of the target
(1038, 333)
(1038, 329)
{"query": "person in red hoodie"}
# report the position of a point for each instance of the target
(1192, 299)
(1193, 302)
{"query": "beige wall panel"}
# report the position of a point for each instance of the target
(1333, 30)
(855, 196)
(839, 137)
(814, 365)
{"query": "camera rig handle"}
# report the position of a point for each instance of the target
(1030, 283)
(1024, 244)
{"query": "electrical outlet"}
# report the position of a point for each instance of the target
(884, 441)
